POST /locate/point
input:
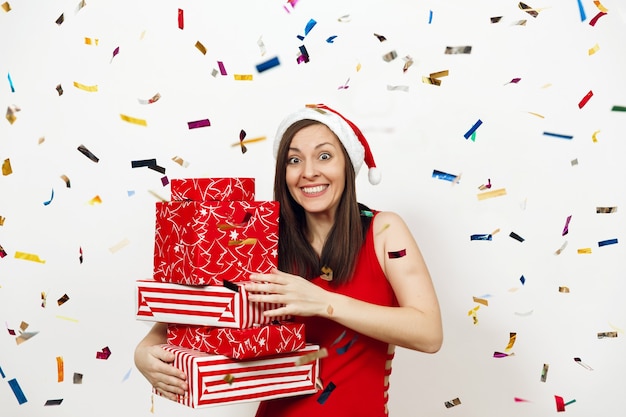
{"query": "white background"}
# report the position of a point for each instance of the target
(412, 132)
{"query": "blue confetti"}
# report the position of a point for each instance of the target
(326, 393)
(607, 242)
(481, 237)
(558, 135)
(270, 63)
(472, 129)
(443, 175)
(17, 390)
(11, 82)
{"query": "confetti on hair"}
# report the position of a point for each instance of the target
(566, 227)
(60, 19)
(60, 371)
(88, 88)
(593, 21)
(88, 153)
(472, 130)
(17, 391)
(607, 242)
(544, 372)
(46, 203)
(11, 110)
(595, 48)
(396, 254)
(268, 64)
(6, 6)
(452, 403)
(584, 251)
(151, 100)
(604, 210)
(201, 47)
(327, 273)
(491, 194)
(6, 167)
(198, 123)
(181, 19)
(104, 354)
(243, 77)
(29, 257)
(310, 25)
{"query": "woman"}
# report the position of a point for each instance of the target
(354, 276)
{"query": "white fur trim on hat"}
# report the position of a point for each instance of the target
(349, 135)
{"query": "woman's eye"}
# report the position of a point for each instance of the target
(293, 160)
(325, 156)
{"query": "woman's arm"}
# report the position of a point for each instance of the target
(415, 324)
(155, 364)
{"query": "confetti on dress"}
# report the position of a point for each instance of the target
(326, 393)
(88, 153)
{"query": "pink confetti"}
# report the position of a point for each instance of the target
(104, 353)
(220, 64)
(566, 228)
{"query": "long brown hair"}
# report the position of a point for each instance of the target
(344, 241)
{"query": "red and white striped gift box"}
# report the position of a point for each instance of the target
(219, 380)
(255, 342)
(208, 305)
(212, 189)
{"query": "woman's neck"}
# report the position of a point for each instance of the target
(318, 228)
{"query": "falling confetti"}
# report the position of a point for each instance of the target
(310, 25)
(6, 7)
(59, 89)
(242, 136)
(270, 63)
(566, 227)
(516, 237)
(472, 130)
(11, 110)
(584, 365)
(581, 9)
(452, 403)
(491, 194)
(134, 120)
(201, 47)
(87, 153)
(594, 49)
(455, 50)
(60, 19)
(199, 123)
(46, 203)
(181, 19)
(544, 372)
(89, 41)
(11, 83)
(60, 370)
(593, 21)
(88, 88)
(105, 353)
(558, 135)
(6, 167)
(17, 391)
(443, 175)
(528, 9)
(607, 242)
(397, 254)
(585, 99)
(29, 257)
(242, 77)
(151, 100)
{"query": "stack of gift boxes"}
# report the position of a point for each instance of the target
(208, 240)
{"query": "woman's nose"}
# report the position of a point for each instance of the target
(310, 170)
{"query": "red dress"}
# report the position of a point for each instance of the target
(354, 375)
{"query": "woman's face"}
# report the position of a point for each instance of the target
(315, 172)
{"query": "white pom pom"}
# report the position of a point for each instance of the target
(374, 175)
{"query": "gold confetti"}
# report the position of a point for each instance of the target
(133, 120)
(29, 257)
(310, 357)
(89, 41)
(330, 310)
(88, 88)
(243, 77)
(66, 179)
(41, 140)
(382, 229)
(584, 250)
(201, 47)
(95, 200)
(536, 114)
(594, 137)
(251, 140)
(564, 290)
(600, 6)
(180, 161)
(490, 194)
(60, 371)
(481, 301)
(6, 6)
(248, 241)
(2, 219)
(11, 110)
(65, 298)
(67, 318)
(6, 167)
(390, 56)
(452, 403)
(119, 245)
(594, 49)
(358, 67)
(229, 379)
(606, 209)
(602, 335)
(512, 338)
(44, 299)
(24, 337)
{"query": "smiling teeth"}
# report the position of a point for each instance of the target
(313, 190)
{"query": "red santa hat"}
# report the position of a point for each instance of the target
(348, 133)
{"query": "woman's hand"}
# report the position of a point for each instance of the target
(156, 366)
(299, 296)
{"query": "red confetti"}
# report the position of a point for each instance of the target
(181, 19)
(585, 99)
(104, 353)
(593, 21)
(560, 404)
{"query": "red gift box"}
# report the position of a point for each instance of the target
(204, 243)
(255, 342)
(212, 189)
(207, 305)
(219, 380)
